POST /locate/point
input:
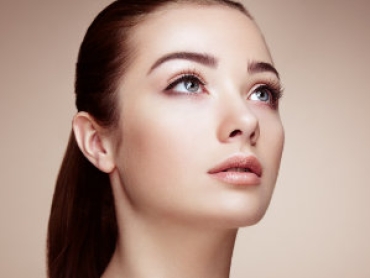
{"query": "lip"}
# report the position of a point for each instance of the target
(228, 171)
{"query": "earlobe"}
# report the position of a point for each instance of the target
(89, 136)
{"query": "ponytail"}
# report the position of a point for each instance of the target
(82, 228)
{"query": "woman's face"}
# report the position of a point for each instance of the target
(200, 132)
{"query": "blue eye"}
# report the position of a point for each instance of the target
(266, 94)
(187, 84)
(261, 94)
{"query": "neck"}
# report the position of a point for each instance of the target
(171, 251)
(161, 247)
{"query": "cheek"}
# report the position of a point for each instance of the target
(156, 154)
(156, 139)
(150, 146)
(272, 142)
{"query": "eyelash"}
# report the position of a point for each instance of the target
(190, 75)
(273, 87)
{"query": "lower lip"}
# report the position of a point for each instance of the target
(238, 178)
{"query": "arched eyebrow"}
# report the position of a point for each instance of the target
(211, 61)
(260, 67)
(201, 58)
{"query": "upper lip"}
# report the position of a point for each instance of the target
(248, 162)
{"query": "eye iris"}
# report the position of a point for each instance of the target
(263, 95)
(191, 85)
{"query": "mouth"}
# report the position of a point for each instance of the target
(239, 169)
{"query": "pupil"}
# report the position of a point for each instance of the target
(263, 95)
(191, 86)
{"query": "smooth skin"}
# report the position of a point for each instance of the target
(181, 115)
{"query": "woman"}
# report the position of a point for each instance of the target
(177, 142)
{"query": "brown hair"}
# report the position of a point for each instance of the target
(82, 229)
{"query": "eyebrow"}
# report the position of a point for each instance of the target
(259, 67)
(201, 58)
(211, 61)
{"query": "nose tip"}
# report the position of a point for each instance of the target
(239, 124)
(249, 132)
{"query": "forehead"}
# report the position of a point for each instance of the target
(199, 28)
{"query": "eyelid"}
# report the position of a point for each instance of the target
(275, 88)
(173, 81)
(273, 84)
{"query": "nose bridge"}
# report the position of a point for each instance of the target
(237, 119)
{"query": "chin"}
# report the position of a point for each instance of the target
(245, 210)
(234, 217)
(246, 219)
(250, 220)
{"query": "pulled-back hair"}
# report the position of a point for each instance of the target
(82, 231)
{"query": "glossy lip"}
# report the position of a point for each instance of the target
(252, 177)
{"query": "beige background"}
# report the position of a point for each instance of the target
(318, 225)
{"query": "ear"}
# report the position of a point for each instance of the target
(90, 138)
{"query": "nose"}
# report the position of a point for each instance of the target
(238, 123)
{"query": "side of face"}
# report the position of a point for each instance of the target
(197, 94)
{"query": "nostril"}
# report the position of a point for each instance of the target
(235, 133)
(253, 138)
